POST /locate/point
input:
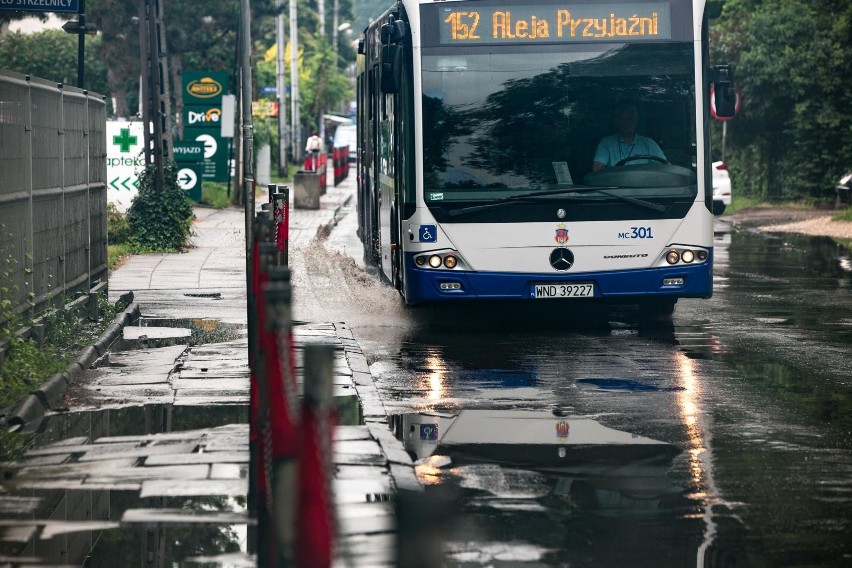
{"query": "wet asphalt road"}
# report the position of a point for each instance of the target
(564, 439)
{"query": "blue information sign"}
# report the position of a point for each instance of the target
(69, 6)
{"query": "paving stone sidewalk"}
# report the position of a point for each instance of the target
(203, 285)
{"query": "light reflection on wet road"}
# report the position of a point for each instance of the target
(752, 389)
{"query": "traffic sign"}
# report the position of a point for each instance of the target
(189, 180)
(215, 152)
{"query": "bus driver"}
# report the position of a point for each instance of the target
(616, 147)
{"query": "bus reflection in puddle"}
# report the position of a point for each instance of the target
(597, 468)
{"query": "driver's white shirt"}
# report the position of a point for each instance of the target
(612, 149)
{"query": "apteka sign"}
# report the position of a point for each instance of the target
(71, 6)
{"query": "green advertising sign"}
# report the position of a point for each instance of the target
(189, 152)
(215, 152)
(203, 87)
(206, 116)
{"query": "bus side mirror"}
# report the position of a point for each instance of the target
(391, 68)
(725, 96)
(393, 32)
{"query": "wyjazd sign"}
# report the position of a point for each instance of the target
(72, 6)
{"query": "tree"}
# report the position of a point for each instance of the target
(52, 55)
(325, 85)
(791, 57)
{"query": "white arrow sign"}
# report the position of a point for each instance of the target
(186, 179)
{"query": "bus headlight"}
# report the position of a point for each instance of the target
(450, 261)
(672, 257)
(702, 255)
(687, 256)
(420, 260)
(435, 261)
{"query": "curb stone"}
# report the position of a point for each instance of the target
(28, 414)
(375, 416)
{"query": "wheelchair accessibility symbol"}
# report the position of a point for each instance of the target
(429, 432)
(428, 233)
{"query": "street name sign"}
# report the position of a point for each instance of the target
(65, 6)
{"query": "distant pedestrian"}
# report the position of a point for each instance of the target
(313, 148)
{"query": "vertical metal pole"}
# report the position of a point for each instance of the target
(247, 157)
(280, 88)
(154, 92)
(316, 528)
(81, 45)
(145, 84)
(295, 126)
(334, 31)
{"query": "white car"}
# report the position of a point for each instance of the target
(346, 135)
(721, 187)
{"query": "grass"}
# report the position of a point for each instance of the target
(740, 203)
(118, 254)
(845, 215)
(26, 365)
(216, 195)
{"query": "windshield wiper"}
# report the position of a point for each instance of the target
(533, 195)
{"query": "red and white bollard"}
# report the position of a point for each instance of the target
(316, 530)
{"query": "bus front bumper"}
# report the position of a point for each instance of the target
(682, 281)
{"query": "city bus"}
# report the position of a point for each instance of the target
(480, 128)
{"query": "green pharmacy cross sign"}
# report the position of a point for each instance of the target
(67, 6)
(124, 141)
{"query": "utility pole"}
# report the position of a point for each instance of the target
(295, 126)
(334, 31)
(156, 106)
(247, 126)
(280, 88)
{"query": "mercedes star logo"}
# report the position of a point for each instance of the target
(561, 259)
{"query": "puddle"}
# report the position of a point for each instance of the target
(201, 331)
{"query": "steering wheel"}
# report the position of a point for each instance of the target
(641, 157)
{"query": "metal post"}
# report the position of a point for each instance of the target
(248, 134)
(280, 88)
(281, 214)
(334, 31)
(81, 45)
(283, 397)
(295, 126)
(315, 539)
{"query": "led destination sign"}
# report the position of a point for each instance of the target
(554, 24)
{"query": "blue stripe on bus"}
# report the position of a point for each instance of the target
(423, 285)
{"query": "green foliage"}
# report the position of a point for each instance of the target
(326, 85)
(118, 227)
(792, 138)
(215, 195)
(160, 220)
(52, 55)
(845, 215)
(117, 254)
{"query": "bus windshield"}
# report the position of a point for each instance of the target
(506, 120)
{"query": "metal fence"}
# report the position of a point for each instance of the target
(53, 201)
